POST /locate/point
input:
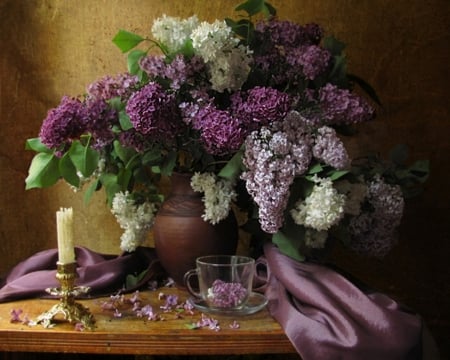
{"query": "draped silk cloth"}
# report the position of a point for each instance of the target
(325, 315)
(104, 274)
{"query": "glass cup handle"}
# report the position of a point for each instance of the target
(187, 283)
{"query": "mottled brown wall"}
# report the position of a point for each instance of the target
(50, 48)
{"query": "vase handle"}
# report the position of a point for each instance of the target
(187, 283)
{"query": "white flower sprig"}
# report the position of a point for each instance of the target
(322, 209)
(135, 219)
(218, 195)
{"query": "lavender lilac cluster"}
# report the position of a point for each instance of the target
(72, 118)
(275, 155)
(290, 52)
(226, 294)
(374, 232)
(154, 112)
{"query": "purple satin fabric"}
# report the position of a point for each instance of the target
(326, 316)
(104, 274)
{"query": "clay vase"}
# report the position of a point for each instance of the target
(181, 235)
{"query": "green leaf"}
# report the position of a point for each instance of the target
(116, 103)
(93, 187)
(269, 10)
(84, 158)
(68, 170)
(242, 28)
(133, 280)
(316, 168)
(420, 169)
(187, 49)
(43, 171)
(169, 164)
(133, 61)
(126, 40)
(233, 167)
(399, 154)
(124, 121)
(111, 186)
(251, 7)
(338, 74)
(333, 45)
(124, 178)
(152, 157)
(288, 245)
(124, 153)
(336, 174)
(35, 144)
(369, 90)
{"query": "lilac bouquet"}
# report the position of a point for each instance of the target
(255, 109)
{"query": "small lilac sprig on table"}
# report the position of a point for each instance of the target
(227, 294)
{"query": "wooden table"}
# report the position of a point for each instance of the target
(257, 333)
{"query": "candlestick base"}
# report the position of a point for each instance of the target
(71, 311)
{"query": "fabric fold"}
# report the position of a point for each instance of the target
(104, 274)
(326, 316)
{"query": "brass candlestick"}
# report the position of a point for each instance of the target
(71, 310)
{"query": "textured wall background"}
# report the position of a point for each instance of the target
(51, 48)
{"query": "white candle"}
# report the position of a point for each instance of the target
(64, 225)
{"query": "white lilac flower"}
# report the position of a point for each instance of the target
(173, 32)
(355, 194)
(135, 219)
(229, 69)
(228, 62)
(218, 195)
(209, 40)
(322, 209)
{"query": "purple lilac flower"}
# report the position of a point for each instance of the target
(227, 294)
(109, 87)
(374, 233)
(188, 307)
(171, 302)
(117, 313)
(147, 311)
(310, 60)
(133, 139)
(288, 34)
(330, 149)
(153, 112)
(273, 157)
(300, 139)
(79, 326)
(15, 315)
(220, 132)
(180, 71)
(340, 106)
(267, 178)
(206, 321)
(235, 325)
(313, 33)
(153, 65)
(64, 123)
(101, 119)
(261, 106)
